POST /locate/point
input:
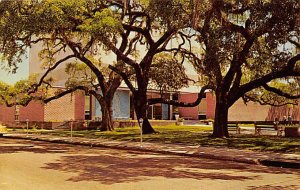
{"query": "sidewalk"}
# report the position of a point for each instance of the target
(236, 155)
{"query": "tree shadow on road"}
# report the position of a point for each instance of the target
(8, 146)
(123, 166)
(110, 166)
(274, 187)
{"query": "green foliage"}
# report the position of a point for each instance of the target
(66, 33)
(171, 13)
(239, 41)
(167, 73)
(79, 74)
(4, 89)
(251, 39)
(61, 29)
(104, 24)
(3, 129)
(50, 21)
(18, 93)
(264, 96)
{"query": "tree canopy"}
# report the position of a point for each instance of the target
(68, 33)
(168, 74)
(246, 46)
(240, 49)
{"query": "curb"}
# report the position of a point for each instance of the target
(254, 161)
(281, 164)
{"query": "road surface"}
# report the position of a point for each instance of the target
(41, 166)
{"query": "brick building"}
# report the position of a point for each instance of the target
(239, 111)
(68, 107)
(77, 106)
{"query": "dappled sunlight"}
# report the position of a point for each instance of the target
(113, 169)
(111, 166)
(190, 135)
(7, 147)
(274, 187)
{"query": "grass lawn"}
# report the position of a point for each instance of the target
(3, 129)
(190, 135)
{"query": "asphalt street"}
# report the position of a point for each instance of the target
(34, 165)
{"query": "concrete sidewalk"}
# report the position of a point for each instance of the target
(219, 153)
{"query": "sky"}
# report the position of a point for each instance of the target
(22, 71)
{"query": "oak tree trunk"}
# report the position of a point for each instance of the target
(106, 109)
(140, 105)
(220, 129)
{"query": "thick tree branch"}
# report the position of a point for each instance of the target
(68, 91)
(131, 44)
(144, 32)
(288, 70)
(122, 56)
(297, 44)
(124, 77)
(98, 73)
(237, 79)
(164, 37)
(280, 92)
(236, 64)
(77, 53)
(146, 61)
(35, 86)
(263, 102)
(141, 14)
(181, 104)
(233, 27)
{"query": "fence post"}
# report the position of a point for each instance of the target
(140, 121)
(27, 125)
(71, 129)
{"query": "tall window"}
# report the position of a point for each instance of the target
(17, 112)
(87, 107)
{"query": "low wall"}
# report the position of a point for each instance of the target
(31, 125)
(263, 122)
(132, 123)
(80, 125)
(292, 131)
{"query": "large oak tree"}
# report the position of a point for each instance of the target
(241, 49)
(240, 45)
(246, 46)
(67, 32)
(156, 24)
(76, 29)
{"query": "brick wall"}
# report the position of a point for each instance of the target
(254, 111)
(79, 105)
(279, 112)
(7, 114)
(188, 111)
(34, 111)
(250, 112)
(211, 105)
(61, 109)
(93, 108)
